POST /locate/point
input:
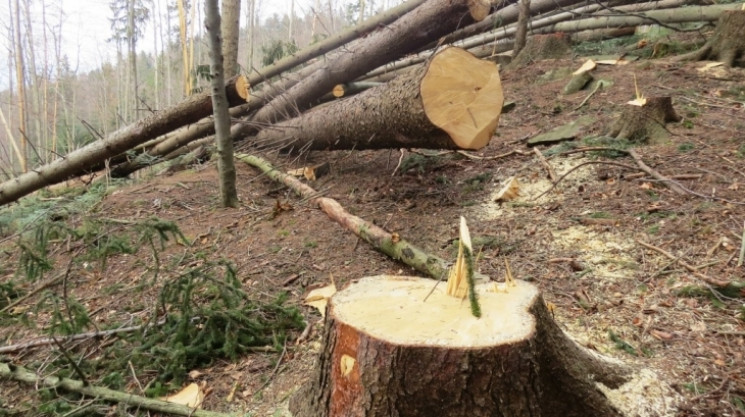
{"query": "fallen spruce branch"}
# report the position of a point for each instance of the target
(390, 244)
(19, 373)
(692, 269)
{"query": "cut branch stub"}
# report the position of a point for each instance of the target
(452, 102)
(396, 346)
(645, 122)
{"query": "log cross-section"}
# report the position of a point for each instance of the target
(453, 101)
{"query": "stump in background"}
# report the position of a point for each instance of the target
(393, 349)
(645, 121)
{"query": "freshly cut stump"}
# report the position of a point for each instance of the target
(453, 101)
(393, 349)
(645, 123)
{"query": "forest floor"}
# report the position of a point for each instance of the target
(580, 240)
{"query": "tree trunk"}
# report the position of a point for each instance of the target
(400, 346)
(225, 165)
(521, 33)
(231, 17)
(79, 161)
(727, 44)
(452, 102)
(415, 29)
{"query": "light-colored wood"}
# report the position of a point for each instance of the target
(463, 99)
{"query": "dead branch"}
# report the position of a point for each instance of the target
(388, 243)
(692, 269)
(644, 167)
(19, 373)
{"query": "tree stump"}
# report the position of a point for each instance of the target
(400, 346)
(452, 101)
(727, 44)
(645, 121)
(538, 47)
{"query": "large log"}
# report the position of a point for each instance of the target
(452, 102)
(400, 346)
(78, 161)
(426, 23)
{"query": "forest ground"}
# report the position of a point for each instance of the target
(578, 242)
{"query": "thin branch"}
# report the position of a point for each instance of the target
(692, 269)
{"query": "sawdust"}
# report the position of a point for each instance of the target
(644, 395)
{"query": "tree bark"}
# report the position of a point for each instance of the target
(415, 29)
(231, 17)
(79, 161)
(521, 33)
(21, 374)
(225, 164)
(401, 346)
(645, 123)
(727, 44)
(452, 102)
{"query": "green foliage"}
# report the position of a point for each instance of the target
(208, 316)
(622, 344)
(277, 50)
(741, 151)
(608, 142)
(470, 276)
(685, 147)
(8, 292)
(68, 315)
(476, 183)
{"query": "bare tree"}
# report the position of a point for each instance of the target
(225, 164)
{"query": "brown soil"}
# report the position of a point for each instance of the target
(578, 242)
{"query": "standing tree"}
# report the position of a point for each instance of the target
(225, 165)
(231, 17)
(129, 18)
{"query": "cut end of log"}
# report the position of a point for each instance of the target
(242, 87)
(394, 309)
(463, 96)
(479, 9)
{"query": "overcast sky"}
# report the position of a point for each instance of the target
(86, 27)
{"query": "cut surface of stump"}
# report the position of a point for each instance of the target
(453, 101)
(394, 346)
(645, 122)
(727, 44)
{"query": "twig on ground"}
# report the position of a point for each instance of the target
(618, 164)
(52, 281)
(742, 247)
(692, 269)
(546, 165)
(644, 167)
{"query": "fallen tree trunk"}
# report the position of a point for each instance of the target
(453, 102)
(676, 15)
(426, 23)
(78, 161)
(402, 346)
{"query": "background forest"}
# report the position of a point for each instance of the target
(52, 103)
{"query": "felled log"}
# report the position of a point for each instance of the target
(401, 346)
(452, 102)
(426, 23)
(76, 162)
